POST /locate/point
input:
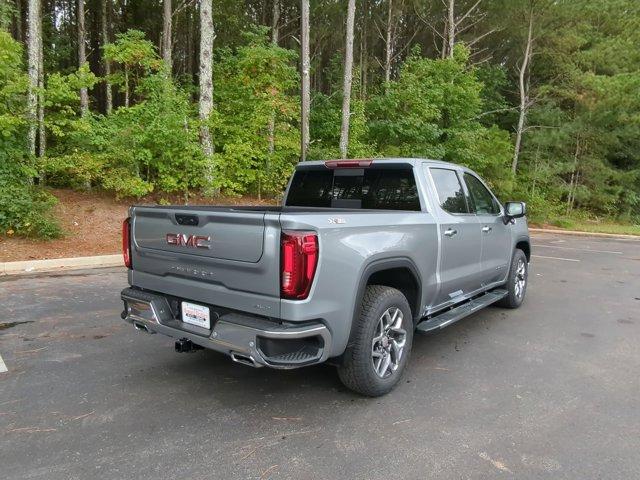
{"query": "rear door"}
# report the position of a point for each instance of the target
(496, 236)
(460, 238)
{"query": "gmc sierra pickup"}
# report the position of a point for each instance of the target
(362, 254)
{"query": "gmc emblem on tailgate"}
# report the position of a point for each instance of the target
(193, 241)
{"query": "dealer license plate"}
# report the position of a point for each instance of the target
(196, 315)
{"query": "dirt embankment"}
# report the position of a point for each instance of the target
(92, 223)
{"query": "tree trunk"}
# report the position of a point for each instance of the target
(107, 64)
(42, 135)
(82, 56)
(190, 52)
(536, 168)
(17, 25)
(574, 177)
(523, 86)
(348, 77)
(451, 25)
(388, 47)
(166, 35)
(305, 87)
(275, 31)
(364, 53)
(275, 22)
(126, 86)
(206, 88)
(33, 53)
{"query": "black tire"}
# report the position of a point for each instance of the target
(358, 368)
(519, 268)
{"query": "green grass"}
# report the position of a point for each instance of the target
(581, 225)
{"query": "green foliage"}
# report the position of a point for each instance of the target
(494, 104)
(151, 145)
(62, 105)
(24, 208)
(136, 56)
(7, 13)
(13, 88)
(431, 110)
(252, 87)
(588, 147)
(580, 153)
(326, 120)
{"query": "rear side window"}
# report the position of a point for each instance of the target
(358, 188)
(449, 189)
(311, 188)
(483, 203)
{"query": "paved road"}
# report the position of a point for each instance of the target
(549, 391)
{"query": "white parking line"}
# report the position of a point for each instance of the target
(3, 366)
(579, 249)
(557, 258)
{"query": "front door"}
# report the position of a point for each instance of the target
(496, 236)
(460, 239)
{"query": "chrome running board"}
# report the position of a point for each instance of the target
(447, 317)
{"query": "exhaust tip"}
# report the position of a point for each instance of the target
(244, 359)
(141, 327)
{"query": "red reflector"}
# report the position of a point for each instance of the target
(348, 163)
(126, 242)
(299, 258)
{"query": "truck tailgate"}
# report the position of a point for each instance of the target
(222, 256)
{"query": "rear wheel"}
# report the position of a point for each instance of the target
(517, 281)
(379, 350)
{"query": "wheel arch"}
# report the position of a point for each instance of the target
(398, 272)
(525, 245)
(386, 272)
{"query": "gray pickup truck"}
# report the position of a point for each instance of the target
(360, 256)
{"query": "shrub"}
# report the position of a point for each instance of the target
(24, 208)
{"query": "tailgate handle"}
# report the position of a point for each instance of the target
(191, 220)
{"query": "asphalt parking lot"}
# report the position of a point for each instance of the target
(549, 391)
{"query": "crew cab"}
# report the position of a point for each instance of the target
(361, 255)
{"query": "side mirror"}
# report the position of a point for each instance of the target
(514, 210)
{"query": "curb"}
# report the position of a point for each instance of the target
(104, 261)
(59, 264)
(585, 234)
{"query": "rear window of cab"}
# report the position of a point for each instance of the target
(355, 188)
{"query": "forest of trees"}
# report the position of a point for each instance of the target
(223, 97)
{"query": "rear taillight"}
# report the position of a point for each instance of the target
(299, 259)
(126, 242)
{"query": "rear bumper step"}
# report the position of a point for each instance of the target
(246, 339)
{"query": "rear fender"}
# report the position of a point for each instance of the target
(380, 266)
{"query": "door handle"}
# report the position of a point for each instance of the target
(450, 232)
(486, 229)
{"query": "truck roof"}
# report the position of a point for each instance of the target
(412, 161)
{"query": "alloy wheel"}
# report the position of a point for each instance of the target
(388, 344)
(520, 278)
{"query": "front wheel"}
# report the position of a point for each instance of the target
(382, 337)
(517, 281)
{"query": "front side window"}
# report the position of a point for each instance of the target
(449, 189)
(482, 202)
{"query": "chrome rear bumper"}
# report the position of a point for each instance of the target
(247, 339)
